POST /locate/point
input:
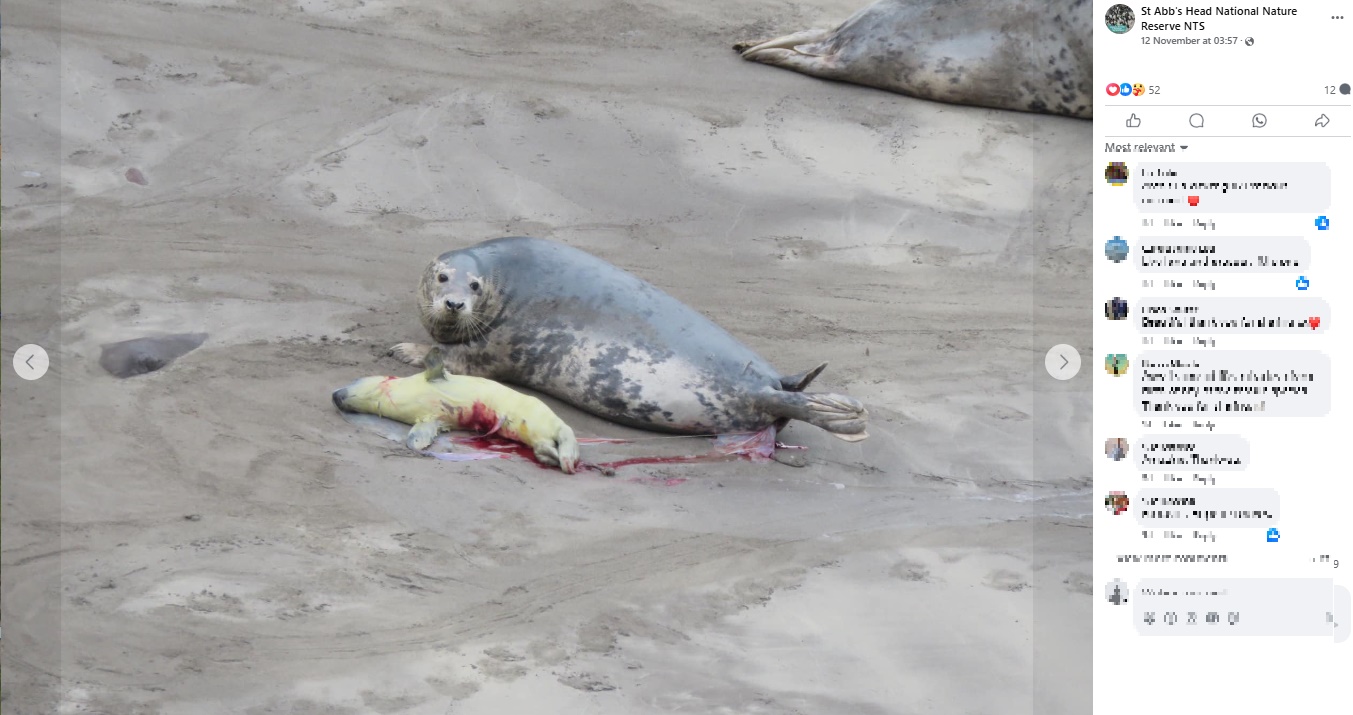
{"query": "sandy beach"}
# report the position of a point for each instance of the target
(214, 538)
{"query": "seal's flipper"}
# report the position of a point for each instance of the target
(410, 353)
(422, 434)
(797, 383)
(434, 364)
(845, 417)
(786, 42)
(559, 451)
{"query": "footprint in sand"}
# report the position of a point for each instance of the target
(1003, 580)
(909, 570)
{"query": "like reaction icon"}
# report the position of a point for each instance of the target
(1133, 122)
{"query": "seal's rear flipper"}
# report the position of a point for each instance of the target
(797, 383)
(785, 42)
(845, 417)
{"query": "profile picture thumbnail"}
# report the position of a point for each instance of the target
(1116, 592)
(1116, 249)
(1116, 173)
(1116, 309)
(1120, 18)
(1116, 364)
(1116, 448)
(1116, 502)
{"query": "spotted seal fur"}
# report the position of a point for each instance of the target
(546, 316)
(1003, 54)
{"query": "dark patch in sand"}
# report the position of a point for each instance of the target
(142, 355)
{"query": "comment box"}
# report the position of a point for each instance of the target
(1222, 452)
(1236, 607)
(1232, 187)
(1217, 508)
(1255, 316)
(1269, 383)
(1232, 254)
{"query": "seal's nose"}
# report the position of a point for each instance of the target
(454, 305)
(340, 395)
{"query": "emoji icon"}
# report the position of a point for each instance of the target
(1138, 90)
(1116, 249)
(1272, 536)
(1302, 283)
(1112, 89)
(1116, 173)
(1322, 223)
(1315, 322)
(1193, 201)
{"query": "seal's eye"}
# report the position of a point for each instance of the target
(441, 278)
(474, 286)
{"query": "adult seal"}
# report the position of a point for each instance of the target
(1022, 55)
(543, 315)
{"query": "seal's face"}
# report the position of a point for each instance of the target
(456, 302)
(405, 399)
(365, 395)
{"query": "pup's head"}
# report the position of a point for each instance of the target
(406, 399)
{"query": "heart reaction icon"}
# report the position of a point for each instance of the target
(1315, 322)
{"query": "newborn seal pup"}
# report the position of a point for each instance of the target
(1003, 54)
(435, 401)
(543, 315)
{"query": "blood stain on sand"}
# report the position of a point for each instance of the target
(754, 447)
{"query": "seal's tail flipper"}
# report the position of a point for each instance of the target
(561, 451)
(845, 417)
(797, 383)
(812, 52)
(787, 42)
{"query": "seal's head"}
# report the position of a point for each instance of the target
(457, 299)
(369, 395)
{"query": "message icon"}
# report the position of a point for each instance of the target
(1272, 536)
(1196, 120)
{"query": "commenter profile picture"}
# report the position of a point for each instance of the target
(1116, 502)
(1116, 448)
(1120, 19)
(1116, 592)
(1116, 309)
(1116, 173)
(1116, 249)
(1116, 364)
